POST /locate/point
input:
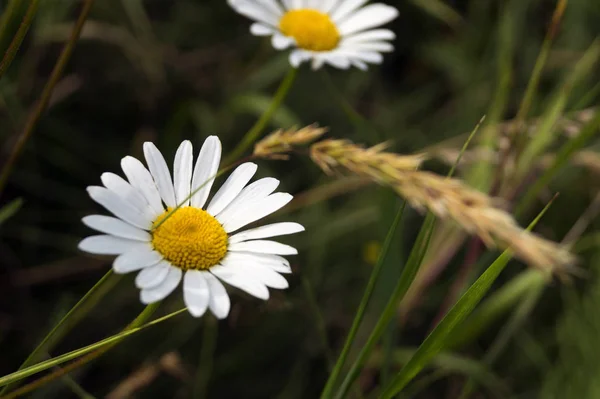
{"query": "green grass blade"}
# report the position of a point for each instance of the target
(440, 10)
(135, 327)
(436, 340)
(536, 75)
(17, 40)
(362, 307)
(498, 304)
(69, 320)
(10, 209)
(406, 278)
(561, 159)
(253, 134)
(545, 134)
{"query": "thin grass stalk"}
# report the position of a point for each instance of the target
(9, 21)
(362, 307)
(406, 278)
(44, 100)
(17, 40)
(436, 340)
(94, 350)
(67, 322)
(532, 85)
(319, 321)
(521, 313)
(562, 157)
(207, 354)
(254, 133)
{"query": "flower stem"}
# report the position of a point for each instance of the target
(253, 134)
(11, 52)
(44, 100)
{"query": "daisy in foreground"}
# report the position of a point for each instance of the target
(336, 32)
(164, 243)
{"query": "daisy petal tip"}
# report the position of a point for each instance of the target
(196, 311)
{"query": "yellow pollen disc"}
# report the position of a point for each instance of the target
(311, 29)
(190, 238)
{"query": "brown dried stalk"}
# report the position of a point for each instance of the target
(476, 212)
(277, 144)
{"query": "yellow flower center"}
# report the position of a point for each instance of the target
(190, 238)
(312, 30)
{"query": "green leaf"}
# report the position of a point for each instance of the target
(544, 135)
(501, 302)
(132, 329)
(10, 209)
(436, 340)
(362, 307)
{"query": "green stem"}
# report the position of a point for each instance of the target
(99, 347)
(252, 135)
(44, 100)
(69, 320)
(207, 353)
(11, 52)
(406, 278)
(362, 307)
(436, 340)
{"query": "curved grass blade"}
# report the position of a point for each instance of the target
(436, 340)
(362, 307)
(26, 372)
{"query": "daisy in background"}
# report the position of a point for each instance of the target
(337, 32)
(164, 244)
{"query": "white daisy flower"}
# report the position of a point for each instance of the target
(337, 32)
(200, 246)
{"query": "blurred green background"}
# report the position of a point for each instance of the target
(165, 71)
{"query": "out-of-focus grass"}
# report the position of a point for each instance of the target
(165, 71)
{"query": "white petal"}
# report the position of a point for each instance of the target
(195, 292)
(161, 291)
(116, 227)
(382, 47)
(273, 6)
(251, 194)
(368, 17)
(365, 56)
(298, 56)
(375, 34)
(140, 178)
(327, 6)
(136, 259)
(345, 8)
(161, 174)
(259, 29)
(232, 187)
(263, 274)
(206, 170)
(232, 277)
(218, 302)
(120, 207)
(123, 189)
(360, 65)
(336, 60)
(108, 245)
(257, 210)
(263, 247)
(270, 230)
(152, 276)
(275, 262)
(256, 12)
(281, 42)
(182, 172)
